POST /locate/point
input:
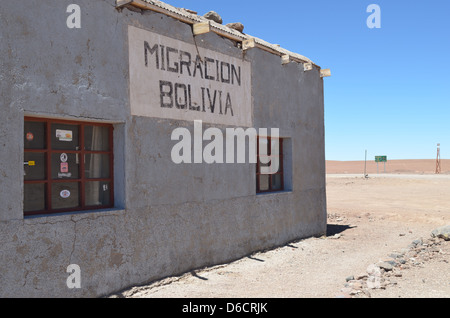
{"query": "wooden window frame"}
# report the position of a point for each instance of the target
(82, 180)
(280, 170)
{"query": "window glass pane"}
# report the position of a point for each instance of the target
(97, 193)
(274, 165)
(276, 182)
(96, 166)
(34, 135)
(263, 182)
(65, 166)
(96, 138)
(270, 176)
(263, 145)
(34, 197)
(65, 195)
(275, 147)
(35, 167)
(65, 137)
(263, 167)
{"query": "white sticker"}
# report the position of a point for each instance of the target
(65, 194)
(64, 135)
(64, 157)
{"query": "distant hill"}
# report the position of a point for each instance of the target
(422, 166)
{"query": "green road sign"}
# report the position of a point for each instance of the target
(380, 158)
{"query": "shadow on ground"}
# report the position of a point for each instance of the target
(333, 229)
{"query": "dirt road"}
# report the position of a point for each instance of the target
(369, 219)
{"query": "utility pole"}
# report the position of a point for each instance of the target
(438, 159)
(365, 166)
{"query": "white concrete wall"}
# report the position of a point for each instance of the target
(169, 218)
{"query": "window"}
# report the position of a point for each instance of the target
(68, 166)
(269, 167)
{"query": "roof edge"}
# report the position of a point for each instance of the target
(222, 30)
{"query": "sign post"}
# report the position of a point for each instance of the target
(365, 165)
(381, 159)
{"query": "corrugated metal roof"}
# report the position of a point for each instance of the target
(189, 17)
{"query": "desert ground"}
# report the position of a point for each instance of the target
(383, 222)
(425, 166)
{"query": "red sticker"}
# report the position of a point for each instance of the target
(30, 136)
(64, 167)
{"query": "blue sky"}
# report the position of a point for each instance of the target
(390, 87)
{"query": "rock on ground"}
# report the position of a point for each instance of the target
(442, 232)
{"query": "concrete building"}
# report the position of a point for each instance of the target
(90, 97)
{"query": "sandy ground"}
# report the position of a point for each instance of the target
(367, 220)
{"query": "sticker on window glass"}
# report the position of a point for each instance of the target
(65, 194)
(64, 135)
(64, 167)
(63, 157)
(30, 136)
